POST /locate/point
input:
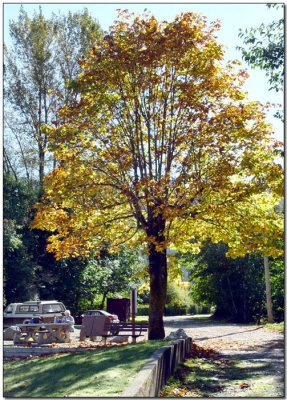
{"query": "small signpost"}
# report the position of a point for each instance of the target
(133, 307)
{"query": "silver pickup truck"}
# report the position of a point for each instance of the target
(18, 313)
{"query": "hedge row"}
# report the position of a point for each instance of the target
(142, 309)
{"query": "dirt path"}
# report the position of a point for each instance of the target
(258, 351)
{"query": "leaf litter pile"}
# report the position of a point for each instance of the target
(203, 374)
(65, 348)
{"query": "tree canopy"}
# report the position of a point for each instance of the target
(265, 49)
(160, 144)
(234, 286)
(43, 55)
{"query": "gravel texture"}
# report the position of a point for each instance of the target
(260, 351)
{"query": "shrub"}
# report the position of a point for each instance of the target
(177, 297)
(142, 309)
(171, 309)
(198, 309)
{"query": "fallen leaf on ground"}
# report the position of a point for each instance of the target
(244, 385)
(218, 388)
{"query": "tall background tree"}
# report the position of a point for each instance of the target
(30, 70)
(161, 146)
(20, 267)
(235, 287)
(42, 55)
(84, 284)
(111, 274)
(264, 48)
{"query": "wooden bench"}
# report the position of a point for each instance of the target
(133, 329)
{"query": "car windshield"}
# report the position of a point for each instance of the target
(9, 309)
(98, 312)
(93, 312)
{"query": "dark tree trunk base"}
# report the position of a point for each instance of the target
(158, 287)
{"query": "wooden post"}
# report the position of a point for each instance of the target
(133, 314)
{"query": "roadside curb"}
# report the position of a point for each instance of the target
(156, 371)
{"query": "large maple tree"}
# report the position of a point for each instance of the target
(161, 145)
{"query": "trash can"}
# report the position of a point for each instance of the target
(120, 307)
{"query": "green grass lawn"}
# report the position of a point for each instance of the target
(142, 318)
(97, 373)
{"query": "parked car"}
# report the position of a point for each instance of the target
(112, 317)
(19, 313)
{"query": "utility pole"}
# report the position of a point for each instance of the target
(268, 291)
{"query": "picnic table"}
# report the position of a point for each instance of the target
(43, 333)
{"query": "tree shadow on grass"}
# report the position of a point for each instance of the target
(90, 371)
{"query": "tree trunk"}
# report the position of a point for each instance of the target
(268, 291)
(41, 165)
(158, 287)
(103, 300)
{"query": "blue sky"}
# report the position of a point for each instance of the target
(233, 16)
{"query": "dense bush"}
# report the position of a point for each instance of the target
(198, 309)
(142, 309)
(170, 309)
(235, 287)
(277, 288)
(175, 310)
(177, 297)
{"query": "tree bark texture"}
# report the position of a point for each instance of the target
(158, 287)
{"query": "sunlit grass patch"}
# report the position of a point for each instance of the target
(275, 326)
(96, 373)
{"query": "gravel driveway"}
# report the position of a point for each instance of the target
(260, 349)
